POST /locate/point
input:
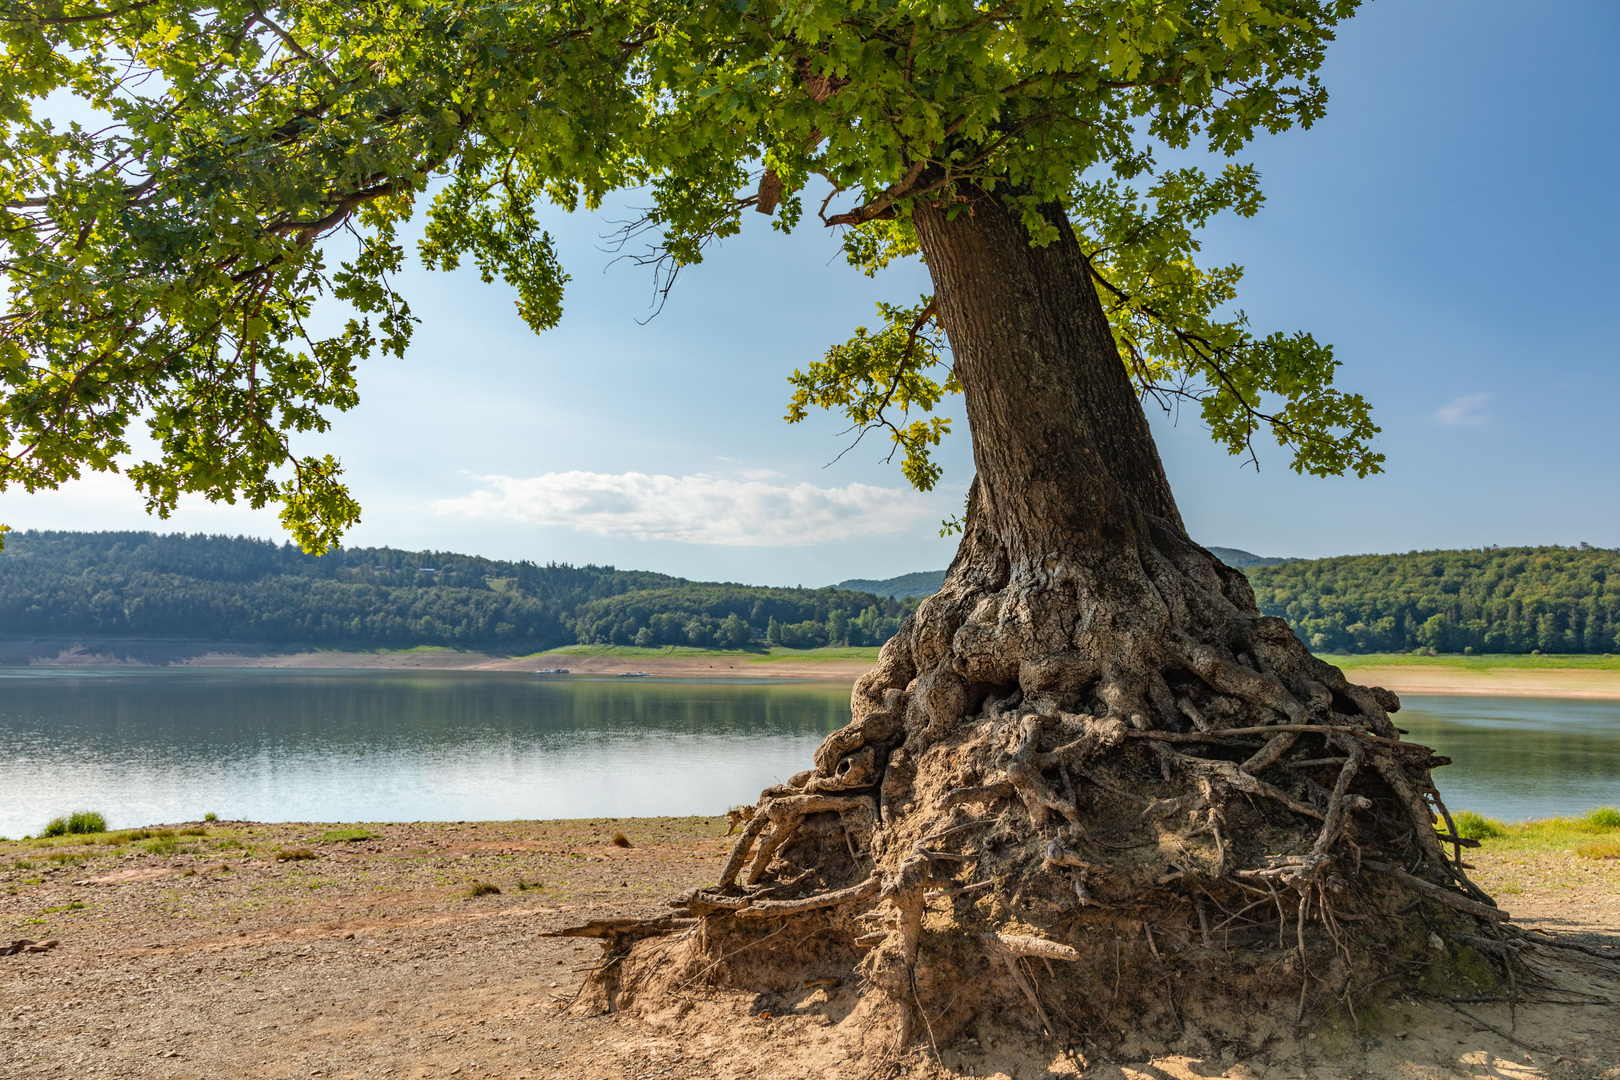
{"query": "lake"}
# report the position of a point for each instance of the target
(164, 745)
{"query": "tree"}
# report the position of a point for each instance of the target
(1089, 742)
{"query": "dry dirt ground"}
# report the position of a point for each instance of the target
(210, 957)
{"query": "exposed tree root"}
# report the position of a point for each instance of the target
(1082, 790)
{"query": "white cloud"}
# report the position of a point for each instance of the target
(1464, 411)
(707, 508)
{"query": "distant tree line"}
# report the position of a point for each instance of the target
(1493, 600)
(217, 588)
(729, 616)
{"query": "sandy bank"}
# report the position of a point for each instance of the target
(211, 958)
(1406, 678)
(1492, 682)
(159, 653)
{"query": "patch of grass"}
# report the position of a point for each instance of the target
(1597, 829)
(61, 908)
(344, 836)
(162, 845)
(210, 816)
(123, 836)
(78, 823)
(22, 864)
(1472, 826)
(1603, 818)
(194, 831)
(1608, 849)
(525, 886)
(621, 840)
(482, 888)
(294, 854)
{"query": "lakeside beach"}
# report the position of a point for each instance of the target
(1575, 676)
(236, 949)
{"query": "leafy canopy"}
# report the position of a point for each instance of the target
(236, 164)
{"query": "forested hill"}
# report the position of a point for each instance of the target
(216, 588)
(1496, 600)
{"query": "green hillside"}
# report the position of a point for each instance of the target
(140, 585)
(1494, 600)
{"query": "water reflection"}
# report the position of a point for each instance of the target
(276, 746)
(153, 745)
(1516, 758)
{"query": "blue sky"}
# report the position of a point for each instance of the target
(1449, 227)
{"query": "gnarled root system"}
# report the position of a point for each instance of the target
(1091, 793)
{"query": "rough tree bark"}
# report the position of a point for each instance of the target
(1087, 779)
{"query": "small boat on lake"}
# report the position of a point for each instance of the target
(552, 671)
(631, 675)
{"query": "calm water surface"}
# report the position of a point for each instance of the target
(149, 746)
(163, 745)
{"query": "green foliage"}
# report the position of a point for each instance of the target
(482, 888)
(77, 823)
(1473, 826)
(1592, 834)
(732, 616)
(1165, 313)
(294, 854)
(1494, 600)
(221, 588)
(871, 373)
(229, 167)
(210, 816)
(1602, 819)
(344, 836)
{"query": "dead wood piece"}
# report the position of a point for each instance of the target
(1270, 729)
(736, 816)
(702, 902)
(985, 793)
(1548, 939)
(618, 932)
(763, 908)
(1435, 892)
(1028, 945)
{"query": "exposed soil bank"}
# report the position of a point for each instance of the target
(1407, 678)
(149, 653)
(1493, 682)
(209, 957)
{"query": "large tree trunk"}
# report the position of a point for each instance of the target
(1067, 753)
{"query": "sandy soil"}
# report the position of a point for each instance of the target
(1492, 682)
(1404, 679)
(215, 959)
(146, 653)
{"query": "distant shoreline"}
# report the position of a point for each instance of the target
(1571, 677)
(836, 664)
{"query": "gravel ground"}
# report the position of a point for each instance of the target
(213, 951)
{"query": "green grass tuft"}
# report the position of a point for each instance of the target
(294, 854)
(1603, 819)
(483, 888)
(1472, 826)
(210, 816)
(342, 836)
(78, 823)
(1546, 834)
